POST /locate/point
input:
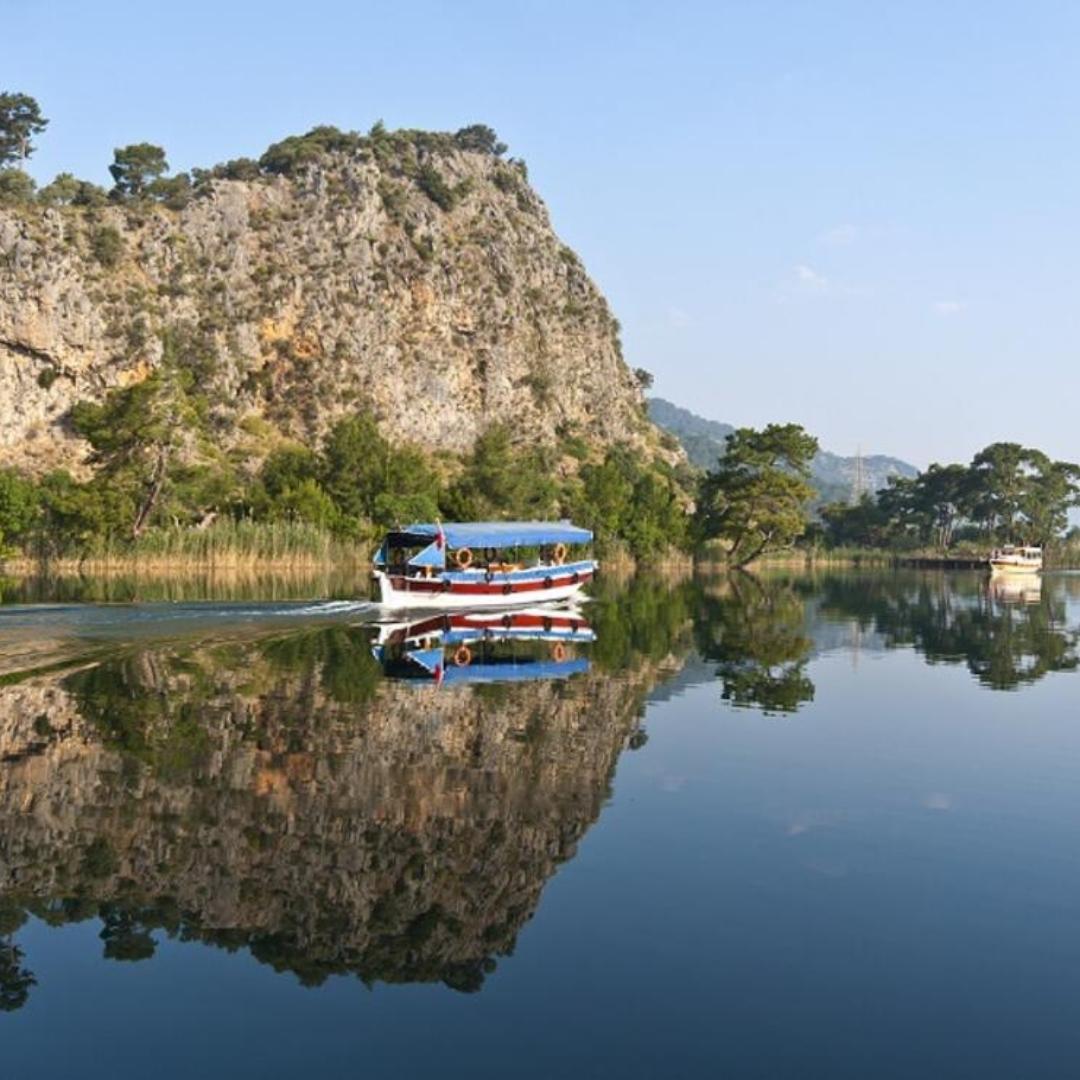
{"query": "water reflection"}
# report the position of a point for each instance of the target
(389, 801)
(755, 631)
(514, 645)
(278, 792)
(1008, 633)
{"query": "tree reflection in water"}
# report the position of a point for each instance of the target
(1009, 633)
(755, 630)
(15, 979)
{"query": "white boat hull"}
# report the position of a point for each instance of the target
(462, 591)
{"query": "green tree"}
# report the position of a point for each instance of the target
(63, 190)
(78, 515)
(999, 475)
(481, 138)
(174, 191)
(296, 151)
(501, 480)
(20, 121)
(755, 500)
(135, 167)
(860, 524)
(67, 190)
(106, 245)
(1048, 496)
(20, 507)
(432, 183)
(370, 480)
(607, 497)
(16, 187)
(145, 435)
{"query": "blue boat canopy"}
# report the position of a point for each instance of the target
(494, 534)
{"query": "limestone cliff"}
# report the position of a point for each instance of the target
(396, 271)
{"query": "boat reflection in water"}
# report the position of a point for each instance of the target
(487, 646)
(1015, 589)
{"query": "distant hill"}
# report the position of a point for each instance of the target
(833, 475)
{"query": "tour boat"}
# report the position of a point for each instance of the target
(511, 645)
(1016, 560)
(481, 563)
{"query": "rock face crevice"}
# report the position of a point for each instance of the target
(302, 298)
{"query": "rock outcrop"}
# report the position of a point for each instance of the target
(403, 273)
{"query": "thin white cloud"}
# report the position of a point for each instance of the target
(840, 235)
(809, 280)
(677, 318)
(945, 308)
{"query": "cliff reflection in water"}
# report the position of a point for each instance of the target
(281, 794)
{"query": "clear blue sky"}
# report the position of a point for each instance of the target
(857, 216)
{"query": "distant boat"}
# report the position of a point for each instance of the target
(473, 564)
(1011, 559)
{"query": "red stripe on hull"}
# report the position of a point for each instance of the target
(482, 588)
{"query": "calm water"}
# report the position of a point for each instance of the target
(787, 827)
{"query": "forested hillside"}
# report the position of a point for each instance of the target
(833, 476)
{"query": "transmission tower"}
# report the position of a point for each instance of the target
(859, 486)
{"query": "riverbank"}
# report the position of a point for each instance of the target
(1065, 558)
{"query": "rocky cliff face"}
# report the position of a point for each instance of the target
(403, 273)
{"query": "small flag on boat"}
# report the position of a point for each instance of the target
(440, 537)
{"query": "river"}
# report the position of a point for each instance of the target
(778, 826)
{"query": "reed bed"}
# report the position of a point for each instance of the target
(272, 545)
(235, 543)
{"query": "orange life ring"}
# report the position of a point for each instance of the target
(463, 656)
(463, 558)
(560, 554)
(558, 652)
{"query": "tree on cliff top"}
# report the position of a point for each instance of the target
(20, 120)
(135, 167)
(481, 138)
(756, 498)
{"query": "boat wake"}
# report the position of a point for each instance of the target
(139, 619)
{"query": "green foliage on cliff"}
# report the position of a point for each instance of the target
(139, 169)
(135, 167)
(106, 245)
(15, 187)
(157, 475)
(501, 480)
(19, 508)
(624, 501)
